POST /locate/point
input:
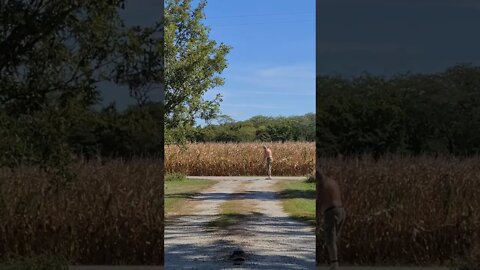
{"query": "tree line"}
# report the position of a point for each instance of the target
(257, 128)
(408, 114)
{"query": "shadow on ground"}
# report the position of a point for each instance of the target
(288, 248)
(297, 194)
(190, 195)
(254, 195)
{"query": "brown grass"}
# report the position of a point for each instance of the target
(112, 214)
(408, 210)
(233, 159)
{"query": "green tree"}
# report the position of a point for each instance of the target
(193, 63)
(54, 55)
(407, 113)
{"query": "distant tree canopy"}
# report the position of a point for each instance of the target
(408, 113)
(258, 128)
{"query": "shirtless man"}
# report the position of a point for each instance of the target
(330, 204)
(267, 157)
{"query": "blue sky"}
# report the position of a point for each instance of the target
(388, 37)
(271, 67)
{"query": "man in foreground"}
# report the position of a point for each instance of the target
(267, 157)
(330, 204)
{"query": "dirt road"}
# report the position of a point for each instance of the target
(270, 239)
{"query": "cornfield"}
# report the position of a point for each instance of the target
(109, 214)
(234, 159)
(415, 211)
(400, 210)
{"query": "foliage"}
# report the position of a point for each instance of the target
(258, 128)
(56, 57)
(193, 63)
(175, 177)
(52, 51)
(408, 113)
(56, 54)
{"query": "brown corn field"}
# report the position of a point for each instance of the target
(399, 210)
(234, 159)
(109, 214)
(415, 211)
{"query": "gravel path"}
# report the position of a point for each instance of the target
(270, 239)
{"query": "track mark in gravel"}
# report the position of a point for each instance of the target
(270, 239)
(188, 245)
(276, 241)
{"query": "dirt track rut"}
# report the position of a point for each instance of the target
(270, 239)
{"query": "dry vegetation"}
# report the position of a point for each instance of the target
(231, 159)
(408, 210)
(112, 214)
(399, 210)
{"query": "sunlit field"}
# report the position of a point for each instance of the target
(233, 159)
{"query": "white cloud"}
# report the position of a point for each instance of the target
(256, 106)
(282, 93)
(291, 72)
(234, 92)
(295, 79)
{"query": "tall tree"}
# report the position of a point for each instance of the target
(54, 55)
(193, 64)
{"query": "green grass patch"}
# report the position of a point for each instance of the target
(224, 221)
(175, 177)
(298, 200)
(179, 189)
(231, 213)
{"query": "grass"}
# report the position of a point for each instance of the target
(178, 189)
(298, 199)
(231, 212)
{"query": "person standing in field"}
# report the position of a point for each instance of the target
(330, 204)
(267, 157)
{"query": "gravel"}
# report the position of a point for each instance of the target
(270, 239)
